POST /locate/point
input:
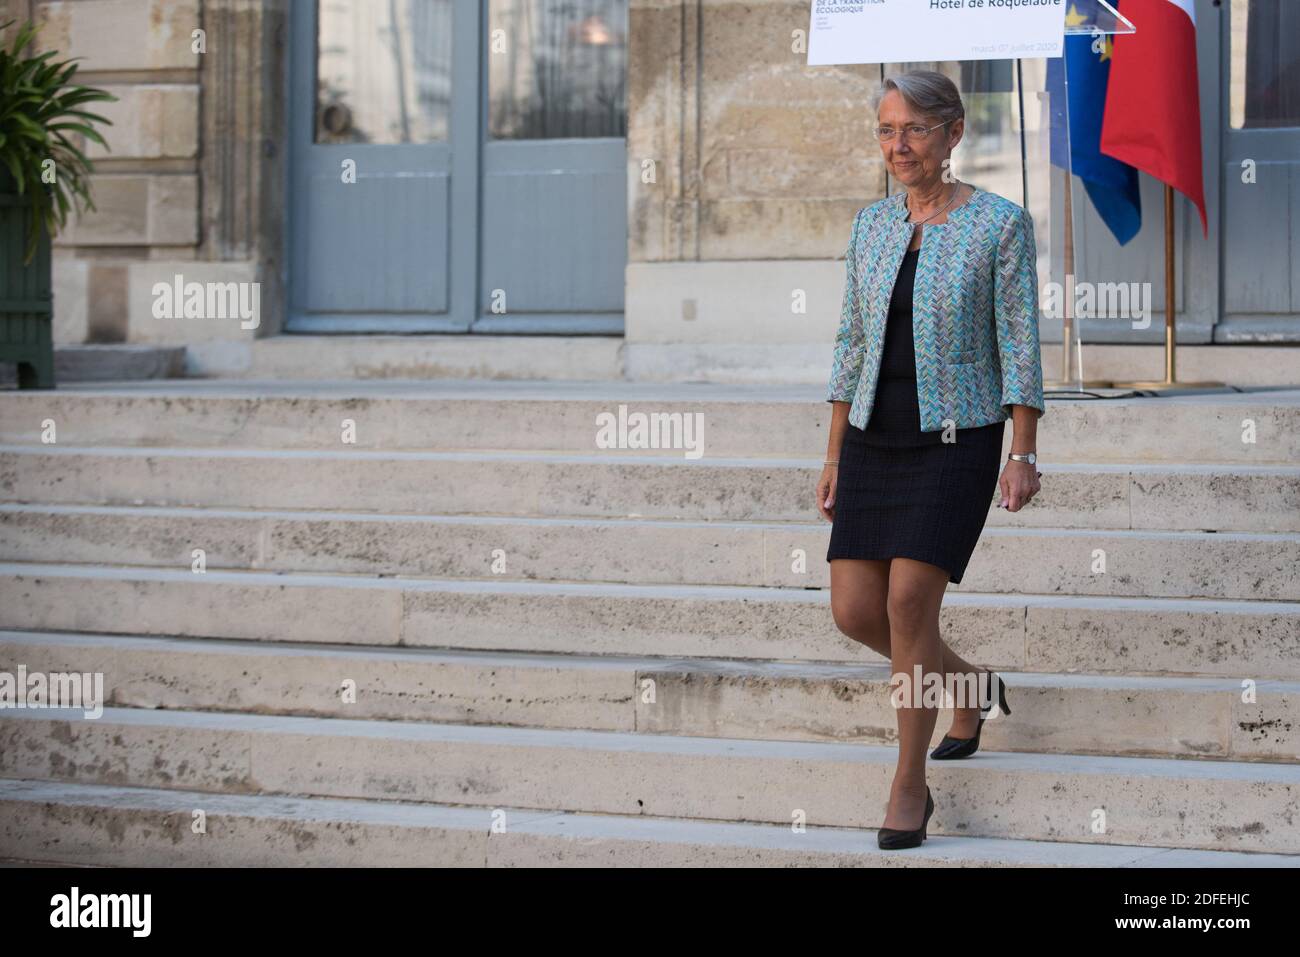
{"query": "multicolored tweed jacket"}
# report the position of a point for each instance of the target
(974, 312)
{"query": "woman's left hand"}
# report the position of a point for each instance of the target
(1019, 482)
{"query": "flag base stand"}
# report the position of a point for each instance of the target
(1170, 382)
(1167, 385)
(1070, 346)
(1068, 385)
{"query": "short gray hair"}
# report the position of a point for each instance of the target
(929, 92)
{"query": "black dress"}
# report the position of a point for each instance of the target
(904, 493)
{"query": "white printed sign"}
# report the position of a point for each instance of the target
(908, 31)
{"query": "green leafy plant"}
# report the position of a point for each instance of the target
(39, 107)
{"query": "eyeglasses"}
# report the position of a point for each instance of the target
(887, 133)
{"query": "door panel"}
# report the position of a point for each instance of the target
(1261, 171)
(384, 166)
(554, 236)
(554, 227)
(486, 148)
(379, 246)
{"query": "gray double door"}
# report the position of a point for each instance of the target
(458, 166)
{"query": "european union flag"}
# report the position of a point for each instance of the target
(1111, 185)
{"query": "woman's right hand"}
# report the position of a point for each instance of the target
(826, 492)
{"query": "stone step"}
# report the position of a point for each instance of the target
(80, 824)
(435, 356)
(23, 863)
(809, 701)
(1247, 428)
(1151, 802)
(1138, 563)
(1248, 498)
(1043, 633)
(103, 362)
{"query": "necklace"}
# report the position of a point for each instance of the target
(956, 186)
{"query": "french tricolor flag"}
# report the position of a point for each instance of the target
(1153, 106)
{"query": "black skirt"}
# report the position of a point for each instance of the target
(904, 493)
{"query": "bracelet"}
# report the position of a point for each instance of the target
(829, 462)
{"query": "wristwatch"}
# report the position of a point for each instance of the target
(1029, 457)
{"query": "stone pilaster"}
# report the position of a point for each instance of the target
(244, 78)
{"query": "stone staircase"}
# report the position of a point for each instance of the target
(568, 655)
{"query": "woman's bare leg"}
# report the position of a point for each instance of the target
(956, 669)
(915, 594)
(859, 590)
(859, 605)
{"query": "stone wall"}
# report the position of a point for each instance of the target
(192, 181)
(754, 154)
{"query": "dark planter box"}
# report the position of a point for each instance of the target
(26, 302)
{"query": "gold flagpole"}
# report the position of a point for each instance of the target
(1170, 380)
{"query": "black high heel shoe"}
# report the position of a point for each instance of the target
(950, 748)
(893, 838)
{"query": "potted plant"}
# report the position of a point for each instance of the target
(43, 174)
